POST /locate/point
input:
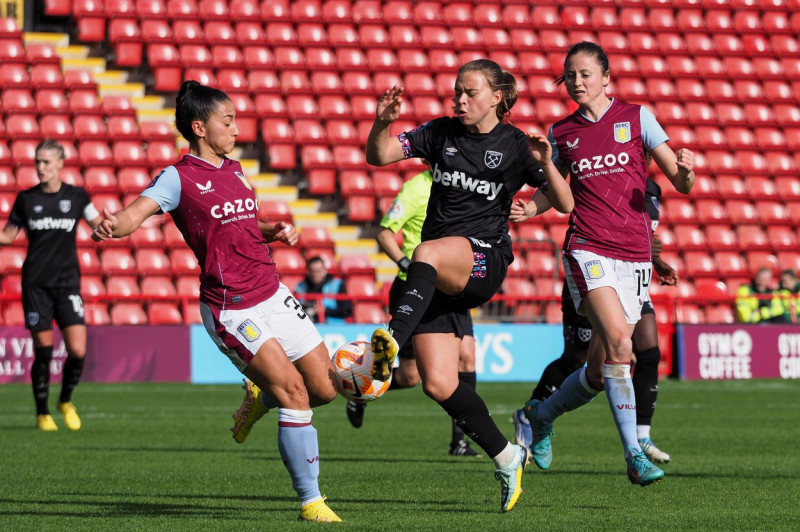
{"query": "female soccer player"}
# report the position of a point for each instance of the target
(407, 214)
(478, 163)
(51, 277)
(606, 253)
(251, 316)
(577, 332)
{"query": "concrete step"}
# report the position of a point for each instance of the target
(153, 103)
(264, 180)
(95, 65)
(304, 206)
(279, 193)
(58, 40)
(344, 233)
(249, 166)
(321, 219)
(131, 90)
(358, 246)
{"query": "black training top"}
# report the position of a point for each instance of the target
(475, 177)
(51, 220)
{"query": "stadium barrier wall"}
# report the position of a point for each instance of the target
(504, 352)
(115, 353)
(738, 351)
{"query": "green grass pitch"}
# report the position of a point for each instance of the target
(161, 457)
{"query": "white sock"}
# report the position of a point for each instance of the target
(505, 457)
(622, 400)
(642, 431)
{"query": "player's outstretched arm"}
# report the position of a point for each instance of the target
(679, 168)
(558, 192)
(382, 148)
(8, 234)
(126, 221)
(522, 210)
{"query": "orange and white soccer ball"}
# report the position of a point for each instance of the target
(353, 363)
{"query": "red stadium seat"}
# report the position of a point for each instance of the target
(129, 153)
(128, 313)
(100, 179)
(163, 313)
(147, 236)
(369, 312)
(90, 127)
(188, 285)
(259, 57)
(263, 83)
(115, 261)
(742, 211)
(306, 10)
(307, 130)
(731, 264)
(427, 13)
(342, 132)
(721, 237)
(781, 237)
(182, 9)
(183, 261)
(351, 59)
(690, 237)
(751, 237)
(397, 12)
(157, 285)
(151, 261)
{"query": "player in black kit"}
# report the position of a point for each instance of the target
(51, 277)
(478, 163)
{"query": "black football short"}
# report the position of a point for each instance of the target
(442, 320)
(43, 305)
(577, 329)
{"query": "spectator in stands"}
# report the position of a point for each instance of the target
(479, 162)
(319, 281)
(789, 291)
(407, 214)
(251, 316)
(51, 277)
(607, 254)
(757, 302)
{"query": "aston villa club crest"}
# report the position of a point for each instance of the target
(492, 158)
(244, 179)
(622, 132)
(249, 330)
(64, 205)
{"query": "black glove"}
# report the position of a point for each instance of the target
(404, 263)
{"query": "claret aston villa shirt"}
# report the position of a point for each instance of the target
(608, 171)
(215, 210)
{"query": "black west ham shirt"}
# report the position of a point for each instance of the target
(50, 220)
(475, 177)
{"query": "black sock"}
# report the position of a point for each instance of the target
(470, 413)
(552, 377)
(73, 369)
(645, 384)
(469, 378)
(40, 378)
(413, 301)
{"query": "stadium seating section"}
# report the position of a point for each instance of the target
(722, 76)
